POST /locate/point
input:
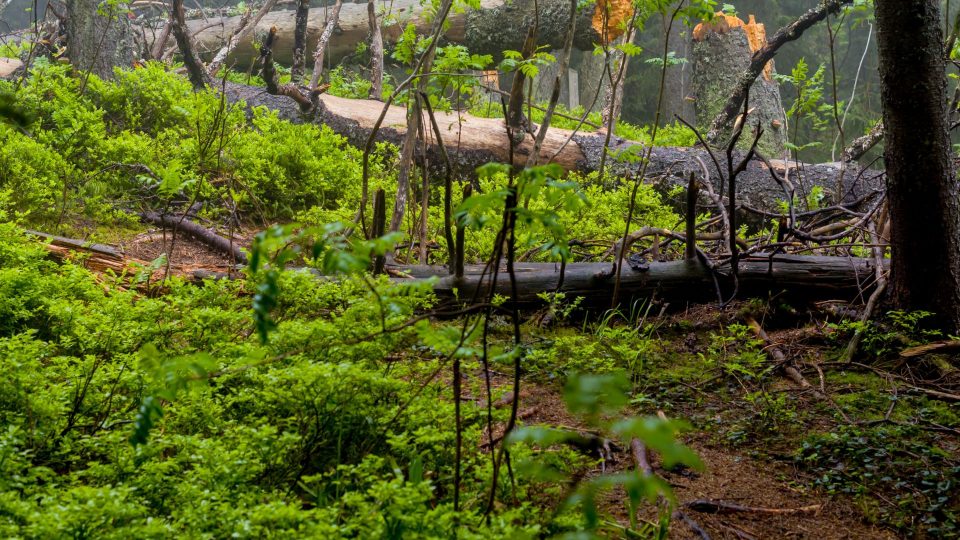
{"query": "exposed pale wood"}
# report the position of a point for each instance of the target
(9, 66)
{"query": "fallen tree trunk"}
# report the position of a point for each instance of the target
(800, 277)
(497, 26)
(474, 141)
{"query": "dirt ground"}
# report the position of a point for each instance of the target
(729, 477)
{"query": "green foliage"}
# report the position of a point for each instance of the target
(809, 105)
(594, 398)
(304, 436)
(900, 478)
(145, 133)
(897, 331)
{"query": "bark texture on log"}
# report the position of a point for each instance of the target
(800, 277)
(474, 141)
(722, 50)
(923, 190)
(498, 25)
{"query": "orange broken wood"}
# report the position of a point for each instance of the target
(722, 23)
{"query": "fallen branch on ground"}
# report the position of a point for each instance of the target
(208, 237)
(708, 506)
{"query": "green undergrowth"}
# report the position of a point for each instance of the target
(92, 154)
(892, 451)
(96, 152)
(159, 411)
(305, 437)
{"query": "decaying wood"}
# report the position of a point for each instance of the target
(722, 49)
(243, 33)
(949, 346)
(202, 234)
(641, 457)
(196, 71)
(806, 277)
(270, 75)
(802, 277)
(299, 60)
(106, 259)
(323, 42)
(376, 51)
(862, 145)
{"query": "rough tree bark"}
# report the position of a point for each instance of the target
(760, 58)
(923, 191)
(498, 25)
(722, 50)
(799, 277)
(376, 51)
(299, 60)
(99, 41)
(323, 42)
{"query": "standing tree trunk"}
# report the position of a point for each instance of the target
(299, 64)
(722, 51)
(376, 52)
(613, 99)
(921, 186)
(99, 40)
(322, 44)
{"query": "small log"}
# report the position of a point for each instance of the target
(937, 347)
(781, 359)
(208, 237)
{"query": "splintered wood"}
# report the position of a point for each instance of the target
(611, 18)
(723, 23)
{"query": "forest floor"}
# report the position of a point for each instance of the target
(854, 464)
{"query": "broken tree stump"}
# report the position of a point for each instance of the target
(722, 51)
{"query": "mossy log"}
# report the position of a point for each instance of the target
(497, 26)
(473, 141)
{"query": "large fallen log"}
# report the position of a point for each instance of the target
(473, 141)
(798, 277)
(497, 26)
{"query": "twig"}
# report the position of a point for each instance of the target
(708, 506)
(781, 359)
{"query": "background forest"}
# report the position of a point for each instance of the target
(236, 304)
